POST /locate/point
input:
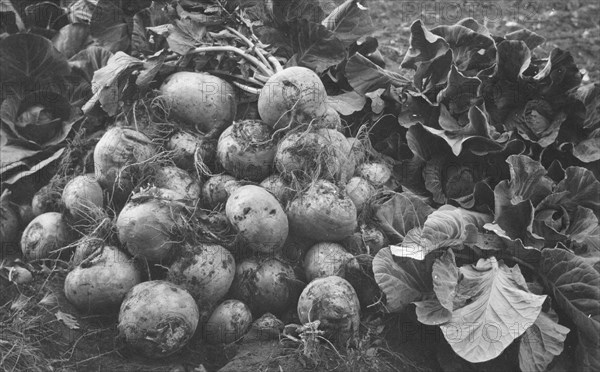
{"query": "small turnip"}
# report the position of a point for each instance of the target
(205, 271)
(324, 153)
(44, 235)
(322, 213)
(81, 195)
(189, 150)
(216, 189)
(294, 96)
(279, 187)
(102, 284)
(264, 286)
(47, 199)
(246, 150)
(359, 191)
(258, 218)
(325, 259)
(178, 180)
(228, 322)
(200, 100)
(331, 120)
(117, 157)
(332, 301)
(378, 174)
(157, 318)
(148, 224)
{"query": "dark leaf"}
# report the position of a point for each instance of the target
(530, 38)
(583, 187)
(72, 38)
(541, 342)
(347, 103)
(33, 166)
(109, 27)
(315, 46)
(293, 10)
(45, 15)
(558, 76)
(460, 93)
(471, 51)
(152, 16)
(349, 21)
(424, 46)
(89, 60)
(365, 76)
(587, 353)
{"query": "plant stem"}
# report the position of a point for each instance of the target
(238, 51)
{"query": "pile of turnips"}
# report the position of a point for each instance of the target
(221, 221)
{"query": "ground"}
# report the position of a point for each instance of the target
(403, 345)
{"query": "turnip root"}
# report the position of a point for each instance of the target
(188, 150)
(157, 318)
(81, 195)
(246, 150)
(85, 248)
(178, 180)
(205, 271)
(359, 191)
(332, 301)
(148, 224)
(325, 259)
(216, 190)
(322, 213)
(200, 100)
(102, 284)
(293, 96)
(358, 150)
(277, 185)
(324, 153)
(258, 218)
(44, 235)
(117, 157)
(378, 174)
(264, 286)
(228, 322)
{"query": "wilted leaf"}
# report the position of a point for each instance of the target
(402, 282)
(69, 320)
(500, 304)
(315, 46)
(541, 342)
(349, 21)
(575, 285)
(184, 35)
(347, 103)
(365, 76)
(33, 166)
(530, 38)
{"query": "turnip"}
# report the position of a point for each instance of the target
(149, 222)
(258, 218)
(157, 318)
(117, 158)
(85, 248)
(190, 151)
(322, 213)
(246, 150)
(359, 191)
(102, 283)
(324, 153)
(44, 236)
(374, 239)
(277, 185)
(325, 259)
(205, 271)
(47, 199)
(81, 195)
(216, 190)
(332, 301)
(228, 322)
(378, 174)
(200, 100)
(264, 286)
(331, 120)
(293, 96)
(267, 327)
(178, 180)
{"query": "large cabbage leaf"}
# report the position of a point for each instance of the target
(541, 342)
(499, 305)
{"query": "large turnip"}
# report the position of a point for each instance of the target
(157, 318)
(81, 196)
(325, 259)
(102, 283)
(228, 322)
(178, 180)
(258, 217)
(200, 100)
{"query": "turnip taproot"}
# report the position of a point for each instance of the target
(228, 322)
(102, 283)
(157, 318)
(323, 153)
(258, 218)
(293, 96)
(205, 271)
(359, 191)
(117, 157)
(322, 213)
(325, 259)
(264, 286)
(332, 301)
(246, 150)
(148, 224)
(44, 235)
(190, 151)
(178, 180)
(200, 100)
(81, 195)
(216, 189)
